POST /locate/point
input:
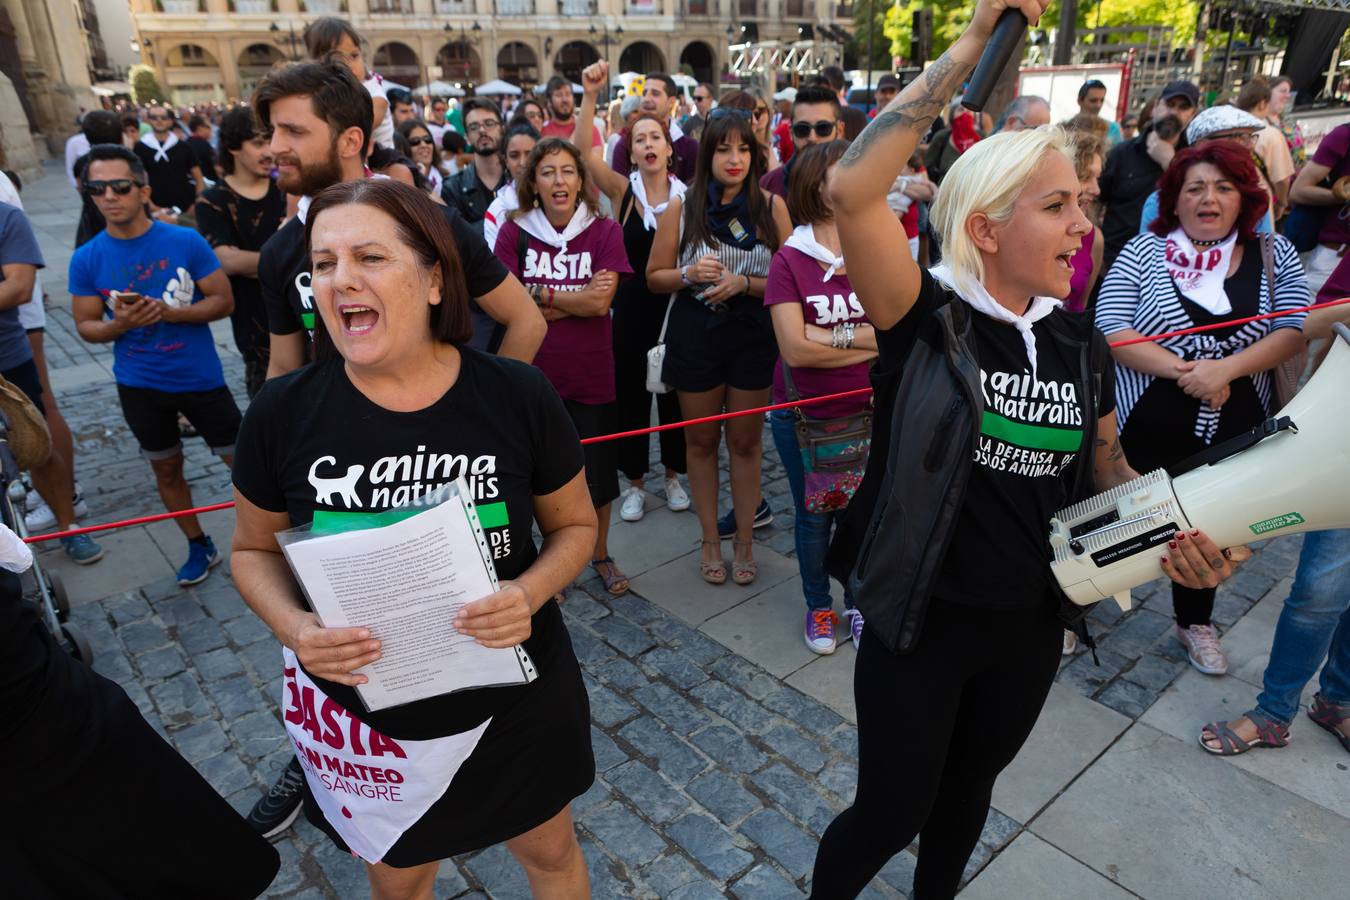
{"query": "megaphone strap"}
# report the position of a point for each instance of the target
(1235, 445)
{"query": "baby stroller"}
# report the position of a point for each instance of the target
(40, 587)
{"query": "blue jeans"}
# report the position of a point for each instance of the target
(1314, 625)
(812, 530)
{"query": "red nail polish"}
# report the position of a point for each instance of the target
(1172, 544)
(1195, 533)
(1181, 537)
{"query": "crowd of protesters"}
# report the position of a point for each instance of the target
(496, 280)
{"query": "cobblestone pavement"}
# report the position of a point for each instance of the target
(723, 746)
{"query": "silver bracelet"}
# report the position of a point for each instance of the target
(835, 336)
(848, 333)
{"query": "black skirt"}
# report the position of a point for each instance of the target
(531, 762)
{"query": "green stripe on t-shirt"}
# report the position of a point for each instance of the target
(492, 515)
(1034, 437)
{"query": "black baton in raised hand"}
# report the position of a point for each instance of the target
(1002, 44)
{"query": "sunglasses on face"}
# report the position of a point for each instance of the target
(698, 99)
(121, 187)
(802, 130)
(418, 141)
(761, 112)
(723, 112)
(157, 117)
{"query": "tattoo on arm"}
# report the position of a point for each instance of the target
(1115, 454)
(917, 113)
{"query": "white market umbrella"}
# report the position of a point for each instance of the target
(497, 87)
(439, 89)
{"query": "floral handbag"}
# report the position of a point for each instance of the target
(834, 453)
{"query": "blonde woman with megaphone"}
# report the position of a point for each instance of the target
(994, 408)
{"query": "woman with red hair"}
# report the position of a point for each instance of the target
(1201, 263)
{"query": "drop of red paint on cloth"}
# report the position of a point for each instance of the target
(346, 812)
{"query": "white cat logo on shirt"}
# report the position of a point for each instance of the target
(832, 308)
(304, 290)
(562, 267)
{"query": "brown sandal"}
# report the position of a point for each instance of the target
(1330, 715)
(615, 582)
(1269, 733)
(744, 572)
(713, 572)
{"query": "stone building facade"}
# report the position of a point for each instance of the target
(219, 49)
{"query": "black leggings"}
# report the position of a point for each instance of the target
(935, 728)
(633, 407)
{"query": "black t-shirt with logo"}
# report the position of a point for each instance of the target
(312, 445)
(283, 270)
(1030, 436)
(228, 219)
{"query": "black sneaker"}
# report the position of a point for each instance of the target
(277, 810)
(726, 526)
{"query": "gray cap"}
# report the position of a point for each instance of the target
(1218, 119)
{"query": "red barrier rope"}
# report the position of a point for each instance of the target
(759, 410)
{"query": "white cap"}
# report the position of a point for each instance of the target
(1218, 119)
(788, 93)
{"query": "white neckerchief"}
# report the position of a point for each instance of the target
(505, 202)
(975, 294)
(302, 208)
(161, 152)
(1200, 273)
(803, 239)
(650, 212)
(536, 225)
(676, 132)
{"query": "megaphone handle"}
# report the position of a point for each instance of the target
(1002, 44)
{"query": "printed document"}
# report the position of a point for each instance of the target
(406, 581)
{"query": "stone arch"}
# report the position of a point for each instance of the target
(255, 61)
(460, 62)
(572, 57)
(398, 62)
(642, 57)
(190, 56)
(518, 64)
(701, 60)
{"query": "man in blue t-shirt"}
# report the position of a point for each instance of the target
(152, 289)
(20, 258)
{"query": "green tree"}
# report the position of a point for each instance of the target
(145, 85)
(869, 20)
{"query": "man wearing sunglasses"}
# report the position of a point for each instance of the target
(472, 189)
(151, 289)
(175, 176)
(659, 94)
(704, 98)
(815, 120)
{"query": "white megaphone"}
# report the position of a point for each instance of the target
(1289, 475)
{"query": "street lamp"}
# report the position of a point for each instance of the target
(464, 41)
(291, 39)
(606, 39)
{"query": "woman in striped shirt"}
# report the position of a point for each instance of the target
(1201, 263)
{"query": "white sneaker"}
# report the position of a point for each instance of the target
(676, 499)
(632, 508)
(1070, 643)
(38, 516)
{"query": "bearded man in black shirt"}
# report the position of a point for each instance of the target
(319, 116)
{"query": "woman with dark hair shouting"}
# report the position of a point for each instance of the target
(995, 409)
(570, 260)
(1201, 263)
(714, 249)
(393, 387)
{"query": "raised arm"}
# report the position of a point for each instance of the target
(613, 185)
(888, 282)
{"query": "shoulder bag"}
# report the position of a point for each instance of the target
(1284, 378)
(834, 453)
